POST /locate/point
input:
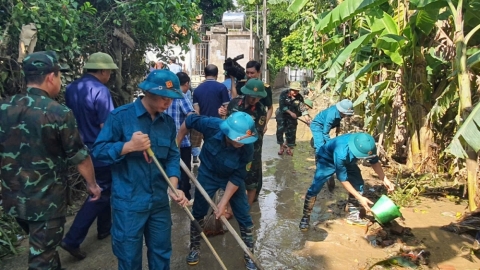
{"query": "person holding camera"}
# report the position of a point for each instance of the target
(252, 71)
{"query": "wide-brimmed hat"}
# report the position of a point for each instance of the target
(362, 145)
(240, 127)
(100, 60)
(309, 103)
(162, 82)
(297, 86)
(345, 106)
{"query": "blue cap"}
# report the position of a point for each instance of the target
(162, 82)
(362, 145)
(240, 127)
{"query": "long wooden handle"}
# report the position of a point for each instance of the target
(224, 220)
(195, 222)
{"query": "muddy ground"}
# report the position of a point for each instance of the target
(330, 244)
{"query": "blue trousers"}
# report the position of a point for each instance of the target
(238, 202)
(128, 230)
(184, 181)
(326, 169)
(99, 209)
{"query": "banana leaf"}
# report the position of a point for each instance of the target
(345, 11)
(468, 132)
(362, 71)
(339, 60)
(297, 5)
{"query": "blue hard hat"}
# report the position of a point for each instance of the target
(240, 127)
(162, 82)
(362, 145)
(345, 106)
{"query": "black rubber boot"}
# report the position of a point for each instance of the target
(247, 237)
(307, 211)
(193, 256)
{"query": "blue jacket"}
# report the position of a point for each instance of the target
(219, 160)
(91, 103)
(138, 185)
(337, 152)
(323, 122)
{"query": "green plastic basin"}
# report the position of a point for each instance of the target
(385, 210)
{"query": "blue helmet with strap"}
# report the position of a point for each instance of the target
(163, 83)
(240, 127)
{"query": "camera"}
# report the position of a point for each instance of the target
(233, 68)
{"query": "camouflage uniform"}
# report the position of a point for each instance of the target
(38, 138)
(267, 102)
(259, 115)
(285, 123)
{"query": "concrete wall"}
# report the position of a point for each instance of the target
(231, 43)
(218, 49)
(238, 42)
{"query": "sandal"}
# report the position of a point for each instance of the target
(282, 149)
(289, 151)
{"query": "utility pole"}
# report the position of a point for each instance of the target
(251, 39)
(258, 31)
(264, 64)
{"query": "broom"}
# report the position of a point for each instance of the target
(214, 226)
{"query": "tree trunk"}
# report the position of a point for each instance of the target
(399, 119)
(123, 97)
(421, 157)
(465, 106)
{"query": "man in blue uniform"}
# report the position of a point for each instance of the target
(325, 121)
(226, 156)
(140, 206)
(340, 156)
(91, 103)
(329, 119)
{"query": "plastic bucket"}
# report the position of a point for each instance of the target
(385, 210)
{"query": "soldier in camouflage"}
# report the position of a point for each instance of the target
(290, 106)
(252, 70)
(38, 140)
(253, 92)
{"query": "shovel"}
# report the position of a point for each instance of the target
(195, 223)
(224, 220)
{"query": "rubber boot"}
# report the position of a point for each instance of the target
(194, 254)
(307, 211)
(247, 237)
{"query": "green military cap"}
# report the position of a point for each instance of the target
(254, 88)
(309, 103)
(295, 86)
(42, 63)
(100, 60)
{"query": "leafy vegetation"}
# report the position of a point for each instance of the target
(410, 67)
(9, 230)
(76, 28)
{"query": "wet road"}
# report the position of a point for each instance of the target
(329, 244)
